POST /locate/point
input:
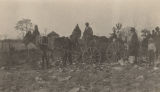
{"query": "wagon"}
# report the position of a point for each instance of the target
(118, 49)
(92, 51)
(115, 51)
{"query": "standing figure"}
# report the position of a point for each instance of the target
(133, 45)
(153, 33)
(151, 51)
(113, 35)
(45, 54)
(87, 34)
(67, 51)
(45, 59)
(75, 36)
(11, 51)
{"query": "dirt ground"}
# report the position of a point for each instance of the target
(81, 78)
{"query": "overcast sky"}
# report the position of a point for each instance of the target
(62, 15)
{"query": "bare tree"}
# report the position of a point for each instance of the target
(118, 26)
(24, 26)
(116, 30)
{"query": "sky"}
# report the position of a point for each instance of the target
(62, 16)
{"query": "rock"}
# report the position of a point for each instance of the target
(53, 77)
(71, 70)
(77, 70)
(136, 84)
(67, 78)
(131, 59)
(94, 65)
(158, 65)
(106, 80)
(141, 68)
(75, 90)
(2, 68)
(83, 88)
(41, 90)
(155, 68)
(121, 62)
(114, 63)
(138, 67)
(105, 89)
(64, 79)
(135, 66)
(141, 77)
(38, 78)
(118, 68)
(60, 70)
(50, 71)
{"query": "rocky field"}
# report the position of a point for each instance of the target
(81, 78)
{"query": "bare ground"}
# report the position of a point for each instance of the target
(81, 78)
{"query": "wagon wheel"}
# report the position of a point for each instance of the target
(91, 55)
(114, 52)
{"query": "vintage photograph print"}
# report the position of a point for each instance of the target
(79, 45)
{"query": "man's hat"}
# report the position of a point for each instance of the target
(132, 29)
(86, 23)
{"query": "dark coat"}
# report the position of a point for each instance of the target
(88, 34)
(76, 34)
(134, 45)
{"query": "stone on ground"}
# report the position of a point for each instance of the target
(75, 90)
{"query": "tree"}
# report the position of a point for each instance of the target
(113, 35)
(118, 26)
(116, 30)
(24, 26)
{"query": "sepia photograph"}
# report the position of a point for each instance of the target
(79, 46)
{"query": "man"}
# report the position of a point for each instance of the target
(11, 60)
(87, 34)
(76, 34)
(67, 51)
(153, 33)
(151, 50)
(45, 54)
(134, 45)
(113, 35)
